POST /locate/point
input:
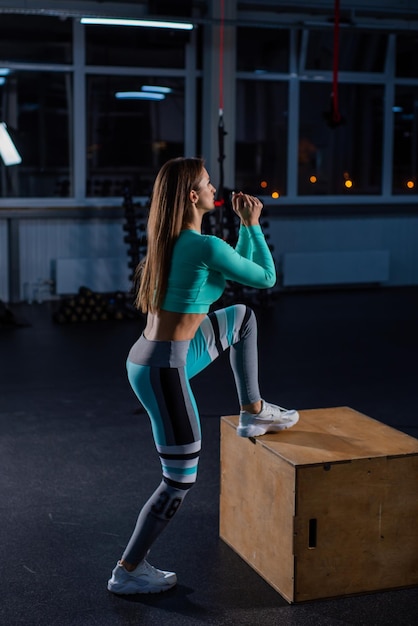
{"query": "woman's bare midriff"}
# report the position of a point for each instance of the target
(170, 326)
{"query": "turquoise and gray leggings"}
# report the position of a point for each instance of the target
(159, 373)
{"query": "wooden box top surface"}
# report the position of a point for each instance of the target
(332, 435)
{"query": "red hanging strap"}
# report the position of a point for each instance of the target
(221, 128)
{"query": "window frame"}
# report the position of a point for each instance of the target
(79, 71)
(296, 75)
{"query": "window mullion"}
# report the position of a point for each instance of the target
(79, 114)
(387, 157)
(293, 120)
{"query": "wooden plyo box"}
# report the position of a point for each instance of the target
(328, 508)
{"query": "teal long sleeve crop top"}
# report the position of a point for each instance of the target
(201, 265)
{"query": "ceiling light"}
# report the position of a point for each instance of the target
(156, 89)
(8, 151)
(110, 21)
(138, 95)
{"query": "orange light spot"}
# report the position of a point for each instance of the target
(410, 184)
(263, 184)
(348, 184)
(312, 179)
(275, 194)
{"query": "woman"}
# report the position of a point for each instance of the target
(183, 273)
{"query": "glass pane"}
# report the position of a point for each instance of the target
(262, 50)
(358, 51)
(405, 144)
(261, 137)
(406, 54)
(129, 139)
(35, 38)
(135, 46)
(35, 107)
(343, 159)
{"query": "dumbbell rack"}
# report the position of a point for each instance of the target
(135, 228)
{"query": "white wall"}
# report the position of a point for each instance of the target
(398, 235)
(43, 240)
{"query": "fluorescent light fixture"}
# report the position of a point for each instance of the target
(138, 95)
(156, 89)
(4, 71)
(2, 80)
(8, 151)
(112, 21)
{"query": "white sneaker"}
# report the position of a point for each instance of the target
(271, 419)
(143, 579)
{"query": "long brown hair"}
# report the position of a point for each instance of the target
(169, 212)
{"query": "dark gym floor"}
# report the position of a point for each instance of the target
(77, 460)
